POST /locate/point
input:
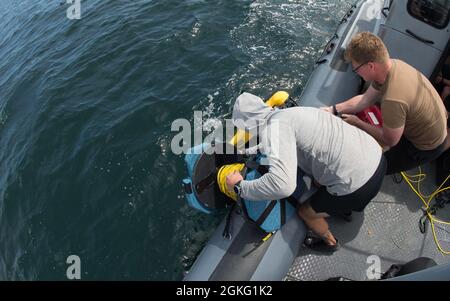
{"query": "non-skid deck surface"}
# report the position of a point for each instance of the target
(388, 228)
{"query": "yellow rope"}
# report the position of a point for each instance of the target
(224, 171)
(268, 236)
(427, 203)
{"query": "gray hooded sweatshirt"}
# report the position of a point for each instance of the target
(337, 155)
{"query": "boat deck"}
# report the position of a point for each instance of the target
(388, 228)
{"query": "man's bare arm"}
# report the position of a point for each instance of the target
(358, 103)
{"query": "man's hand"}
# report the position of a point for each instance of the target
(232, 179)
(351, 119)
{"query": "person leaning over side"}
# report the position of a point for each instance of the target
(414, 117)
(345, 160)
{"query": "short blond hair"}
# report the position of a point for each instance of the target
(366, 47)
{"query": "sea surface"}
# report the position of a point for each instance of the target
(86, 108)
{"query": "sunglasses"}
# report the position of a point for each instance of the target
(355, 70)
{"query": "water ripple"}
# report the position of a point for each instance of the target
(85, 114)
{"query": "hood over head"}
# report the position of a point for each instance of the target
(250, 111)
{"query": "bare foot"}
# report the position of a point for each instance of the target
(329, 238)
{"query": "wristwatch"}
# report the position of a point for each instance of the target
(335, 111)
(237, 188)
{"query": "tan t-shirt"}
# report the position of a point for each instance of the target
(409, 99)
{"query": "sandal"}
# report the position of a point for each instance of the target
(318, 244)
(346, 216)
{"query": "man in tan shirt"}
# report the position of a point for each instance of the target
(414, 116)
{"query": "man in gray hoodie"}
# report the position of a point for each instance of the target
(344, 161)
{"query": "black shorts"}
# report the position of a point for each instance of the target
(323, 201)
(405, 156)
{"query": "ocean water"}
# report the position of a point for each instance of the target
(86, 108)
